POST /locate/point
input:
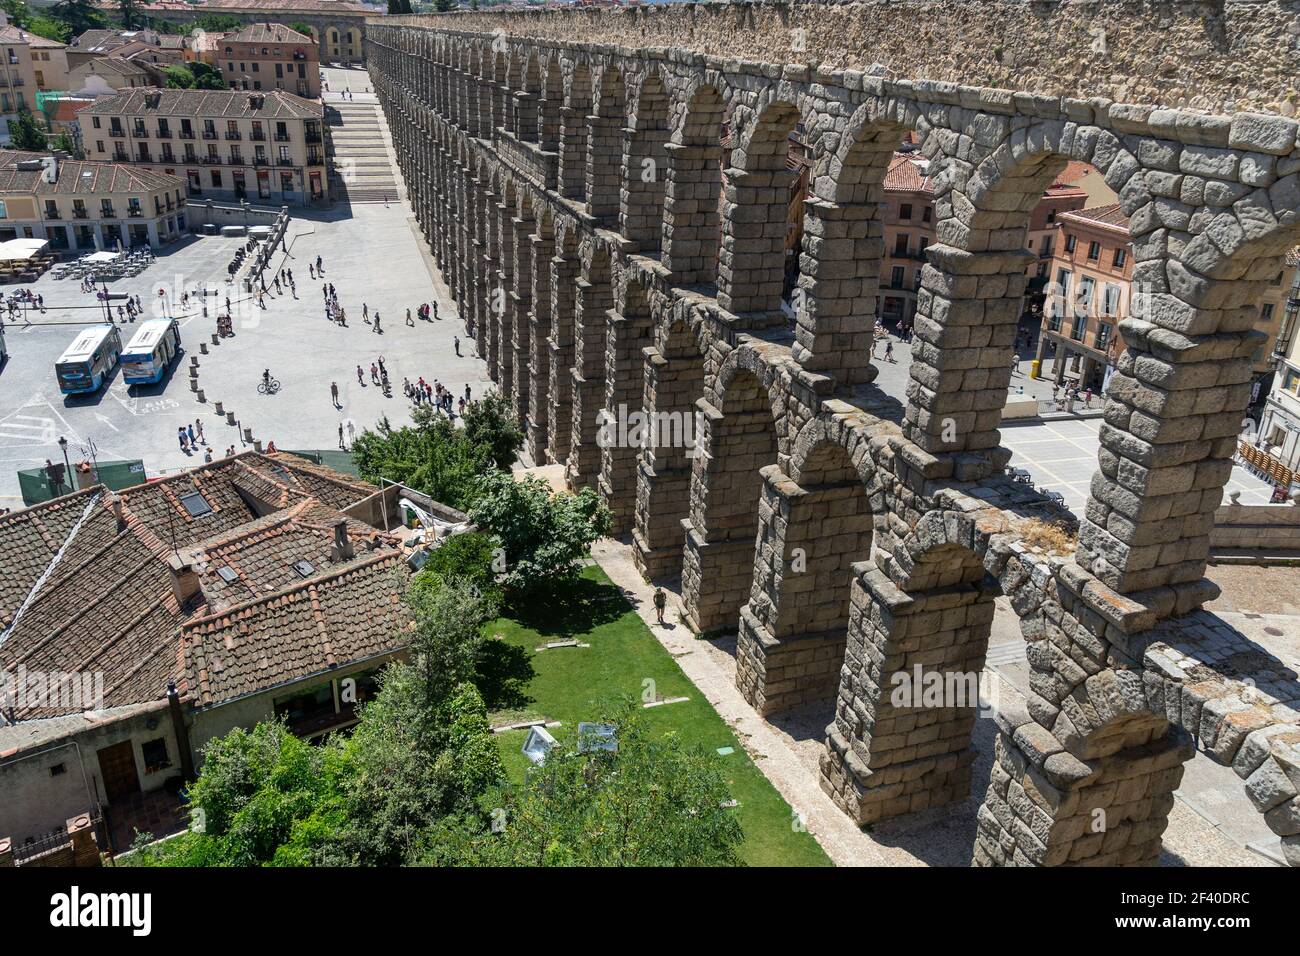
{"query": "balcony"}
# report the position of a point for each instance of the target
(135, 214)
(108, 212)
(313, 137)
(164, 134)
(121, 158)
(117, 133)
(186, 134)
(140, 133)
(209, 134)
(211, 160)
(80, 214)
(282, 161)
(282, 137)
(261, 161)
(144, 158)
(257, 136)
(234, 134)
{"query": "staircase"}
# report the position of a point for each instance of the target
(360, 170)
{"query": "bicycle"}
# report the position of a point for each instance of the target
(269, 387)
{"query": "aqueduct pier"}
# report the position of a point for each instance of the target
(567, 170)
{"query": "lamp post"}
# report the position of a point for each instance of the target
(63, 446)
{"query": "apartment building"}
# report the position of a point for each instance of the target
(265, 147)
(111, 74)
(144, 46)
(271, 56)
(909, 227)
(1279, 425)
(88, 206)
(1089, 291)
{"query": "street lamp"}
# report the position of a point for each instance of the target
(63, 446)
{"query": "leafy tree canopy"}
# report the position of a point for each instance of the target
(77, 15)
(26, 133)
(543, 534)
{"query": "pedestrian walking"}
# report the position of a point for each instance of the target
(889, 351)
(361, 377)
(189, 433)
(374, 373)
(352, 432)
(180, 435)
(320, 266)
(198, 430)
(661, 601)
(435, 309)
(456, 341)
(378, 330)
(312, 269)
(334, 393)
(409, 320)
(467, 394)
(341, 445)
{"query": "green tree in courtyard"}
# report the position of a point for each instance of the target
(543, 534)
(129, 11)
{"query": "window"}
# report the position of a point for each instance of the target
(900, 244)
(94, 121)
(1087, 284)
(896, 275)
(905, 211)
(216, 178)
(1094, 251)
(1051, 216)
(1121, 256)
(925, 214)
(99, 145)
(1103, 336)
(1112, 299)
(195, 503)
(155, 755)
(58, 770)
(1071, 242)
(1266, 312)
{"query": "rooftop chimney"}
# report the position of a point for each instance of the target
(185, 580)
(116, 505)
(342, 549)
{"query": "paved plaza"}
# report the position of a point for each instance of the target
(371, 255)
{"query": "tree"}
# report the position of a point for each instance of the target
(442, 6)
(25, 133)
(129, 10)
(434, 457)
(543, 535)
(19, 14)
(206, 76)
(178, 76)
(491, 422)
(652, 802)
(63, 142)
(77, 15)
(468, 557)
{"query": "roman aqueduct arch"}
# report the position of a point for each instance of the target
(570, 188)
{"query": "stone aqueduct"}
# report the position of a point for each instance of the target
(569, 191)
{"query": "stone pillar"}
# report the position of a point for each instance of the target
(81, 836)
(564, 281)
(624, 389)
(521, 302)
(604, 166)
(573, 153)
(673, 384)
(690, 222)
(967, 311)
(483, 269)
(641, 207)
(1173, 412)
(539, 349)
(525, 107)
(751, 268)
(908, 697)
(1046, 807)
(595, 299)
(835, 304)
(504, 308)
(793, 630)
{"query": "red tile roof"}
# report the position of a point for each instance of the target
(1110, 215)
(907, 173)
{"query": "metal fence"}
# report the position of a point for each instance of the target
(330, 458)
(37, 487)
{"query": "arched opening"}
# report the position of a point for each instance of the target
(693, 192)
(605, 146)
(726, 480)
(646, 164)
(537, 423)
(755, 232)
(573, 135)
(674, 386)
(500, 90)
(812, 529)
(528, 100)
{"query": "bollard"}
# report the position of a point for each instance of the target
(218, 409)
(257, 446)
(203, 347)
(194, 372)
(248, 434)
(230, 418)
(194, 385)
(216, 339)
(194, 360)
(200, 396)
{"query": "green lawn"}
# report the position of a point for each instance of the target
(570, 684)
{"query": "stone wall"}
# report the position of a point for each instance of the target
(849, 539)
(1257, 527)
(1211, 54)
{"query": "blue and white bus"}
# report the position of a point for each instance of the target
(150, 351)
(85, 363)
